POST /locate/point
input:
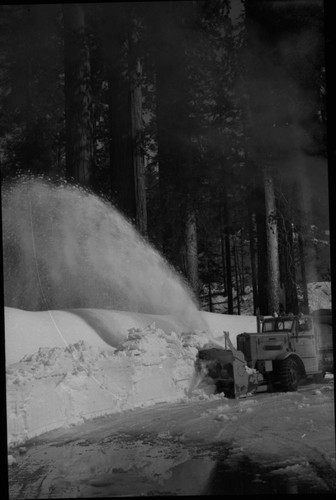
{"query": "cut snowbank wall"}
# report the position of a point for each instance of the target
(57, 387)
(62, 366)
(26, 331)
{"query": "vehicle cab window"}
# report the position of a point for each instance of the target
(284, 324)
(268, 326)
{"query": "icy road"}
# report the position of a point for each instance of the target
(266, 443)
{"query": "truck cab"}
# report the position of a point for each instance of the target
(309, 336)
(283, 351)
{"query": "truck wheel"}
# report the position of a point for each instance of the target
(289, 375)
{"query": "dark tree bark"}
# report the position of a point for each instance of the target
(223, 263)
(242, 265)
(116, 31)
(192, 250)
(169, 131)
(135, 76)
(304, 214)
(227, 237)
(305, 302)
(78, 98)
(173, 128)
(272, 244)
(29, 114)
(120, 142)
(209, 296)
(31, 141)
(208, 274)
(262, 253)
(291, 302)
(228, 271)
(254, 271)
(137, 149)
(235, 255)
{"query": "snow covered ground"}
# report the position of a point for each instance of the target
(265, 444)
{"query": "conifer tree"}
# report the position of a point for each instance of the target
(78, 95)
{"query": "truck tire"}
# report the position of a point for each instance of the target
(289, 374)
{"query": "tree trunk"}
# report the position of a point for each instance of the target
(223, 264)
(228, 271)
(29, 149)
(257, 200)
(242, 274)
(78, 98)
(29, 135)
(290, 275)
(191, 251)
(252, 231)
(272, 245)
(208, 273)
(225, 221)
(173, 128)
(120, 142)
(169, 159)
(235, 255)
(115, 33)
(305, 304)
(135, 73)
(304, 209)
(209, 296)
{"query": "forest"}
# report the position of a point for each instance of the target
(204, 122)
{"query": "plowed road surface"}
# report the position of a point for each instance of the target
(266, 443)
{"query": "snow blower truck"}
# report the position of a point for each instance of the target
(285, 350)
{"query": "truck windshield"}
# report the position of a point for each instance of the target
(277, 325)
(283, 324)
(268, 326)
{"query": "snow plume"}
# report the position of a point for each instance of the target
(66, 248)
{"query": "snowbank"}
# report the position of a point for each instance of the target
(61, 386)
(27, 331)
(66, 366)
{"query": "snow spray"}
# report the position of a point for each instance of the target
(65, 248)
